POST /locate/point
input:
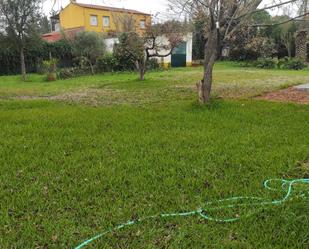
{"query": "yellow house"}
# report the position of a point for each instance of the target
(99, 18)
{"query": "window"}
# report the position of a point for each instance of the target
(93, 20)
(143, 24)
(106, 21)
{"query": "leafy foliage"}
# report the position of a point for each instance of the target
(291, 63)
(284, 63)
(50, 68)
(34, 55)
(72, 72)
(44, 25)
(265, 62)
(157, 41)
(88, 46)
(249, 44)
(284, 36)
(106, 63)
(199, 40)
(19, 19)
(124, 59)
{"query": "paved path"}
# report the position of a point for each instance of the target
(304, 87)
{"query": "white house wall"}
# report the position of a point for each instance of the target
(110, 42)
(189, 40)
(166, 61)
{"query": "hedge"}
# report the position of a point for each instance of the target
(10, 57)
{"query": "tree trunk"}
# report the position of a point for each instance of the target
(91, 67)
(288, 47)
(23, 64)
(211, 51)
(141, 67)
(141, 74)
(301, 45)
(289, 51)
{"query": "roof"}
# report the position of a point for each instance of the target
(57, 36)
(100, 7)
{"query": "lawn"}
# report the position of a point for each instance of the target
(114, 149)
(230, 81)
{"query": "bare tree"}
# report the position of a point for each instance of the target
(222, 18)
(124, 22)
(157, 41)
(20, 22)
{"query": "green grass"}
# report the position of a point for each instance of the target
(69, 172)
(230, 81)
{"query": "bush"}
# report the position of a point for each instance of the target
(89, 46)
(153, 64)
(246, 44)
(50, 68)
(266, 63)
(285, 63)
(107, 63)
(291, 63)
(34, 55)
(67, 73)
(125, 61)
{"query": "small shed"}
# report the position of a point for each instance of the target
(180, 57)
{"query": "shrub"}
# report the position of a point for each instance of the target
(67, 73)
(153, 64)
(50, 68)
(125, 61)
(291, 63)
(107, 63)
(89, 46)
(266, 63)
(34, 55)
(246, 44)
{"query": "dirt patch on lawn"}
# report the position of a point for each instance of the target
(287, 95)
(96, 97)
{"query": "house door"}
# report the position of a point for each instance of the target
(179, 55)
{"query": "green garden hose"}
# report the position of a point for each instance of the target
(287, 186)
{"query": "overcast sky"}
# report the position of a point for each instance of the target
(149, 6)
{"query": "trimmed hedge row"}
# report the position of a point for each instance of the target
(69, 65)
(10, 57)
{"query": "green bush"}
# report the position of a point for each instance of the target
(125, 61)
(72, 72)
(107, 63)
(112, 63)
(153, 64)
(67, 73)
(266, 63)
(284, 63)
(34, 55)
(50, 68)
(291, 63)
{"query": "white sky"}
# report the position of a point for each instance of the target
(149, 6)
